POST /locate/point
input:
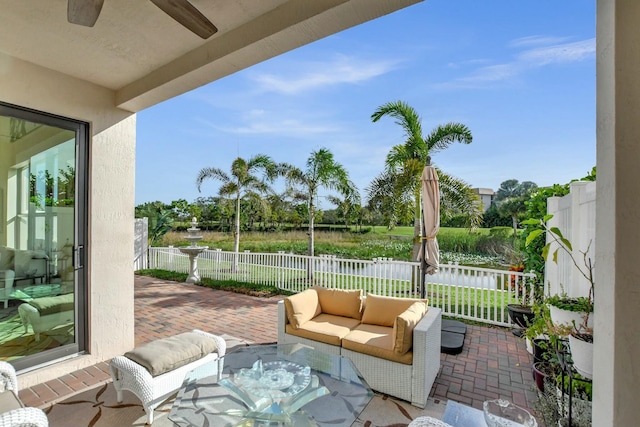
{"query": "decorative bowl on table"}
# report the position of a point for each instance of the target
(502, 413)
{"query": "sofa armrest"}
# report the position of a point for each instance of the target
(8, 377)
(426, 353)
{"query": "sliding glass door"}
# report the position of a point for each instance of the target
(42, 236)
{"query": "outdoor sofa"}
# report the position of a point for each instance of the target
(13, 413)
(393, 342)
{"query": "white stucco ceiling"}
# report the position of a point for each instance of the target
(145, 57)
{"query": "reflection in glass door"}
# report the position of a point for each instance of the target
(40, 297)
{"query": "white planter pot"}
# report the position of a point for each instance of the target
(582, 355)
(561, 317)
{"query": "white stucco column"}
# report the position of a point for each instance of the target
(617, 292)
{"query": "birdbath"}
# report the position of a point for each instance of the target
(193, 250)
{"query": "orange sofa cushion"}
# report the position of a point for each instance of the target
(376, 341)
(325, 328)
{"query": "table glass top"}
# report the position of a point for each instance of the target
(272, 385)
(459, 415)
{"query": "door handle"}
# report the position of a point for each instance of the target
(78, 257)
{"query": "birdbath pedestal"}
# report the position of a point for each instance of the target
(193, 250)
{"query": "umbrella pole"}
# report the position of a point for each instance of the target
(423, 259)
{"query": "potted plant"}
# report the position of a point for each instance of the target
(580, 331)
(543, 370)
(567, 311)
(521, 313)
(537, 333)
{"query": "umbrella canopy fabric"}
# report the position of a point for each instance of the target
(430, 219)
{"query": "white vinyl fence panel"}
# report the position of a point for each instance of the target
(141, 243)
(575, 216)
(466, 292)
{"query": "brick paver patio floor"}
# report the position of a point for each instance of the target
(494, 363)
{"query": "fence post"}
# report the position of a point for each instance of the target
(280, 268)
(171, 256)
(334, 271)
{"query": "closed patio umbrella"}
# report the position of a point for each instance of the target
(429, 254)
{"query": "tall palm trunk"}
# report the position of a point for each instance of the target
(236, 236)
(310, 250)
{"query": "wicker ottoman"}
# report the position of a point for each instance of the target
(153, 385)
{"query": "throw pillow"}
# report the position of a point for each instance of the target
(380, 310)
(404, 325)
(302, 307)
(340, 302)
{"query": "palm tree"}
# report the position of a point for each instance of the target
(347, 207)
(510, 199)
(398, 187)
(321, 171)
(240, 183)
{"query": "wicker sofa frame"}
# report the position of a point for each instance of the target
(21, 416)
(407, 382)
(152, 391)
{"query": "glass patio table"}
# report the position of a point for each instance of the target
(272, 385)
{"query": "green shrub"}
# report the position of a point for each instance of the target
(536, 209)
(501, 232)
(452, 240)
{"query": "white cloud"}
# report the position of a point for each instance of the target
(264, 124)
(559, 53)
(562, 53)
(341, 70)
(462, 64)
(492, 73)
(536, 41)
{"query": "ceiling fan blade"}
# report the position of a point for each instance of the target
(187, 15)
(84, 12)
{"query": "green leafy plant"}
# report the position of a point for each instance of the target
(540, 324)
(577, 304)
(580, 387)
(537, 208)
(584, 304)
(553, 409)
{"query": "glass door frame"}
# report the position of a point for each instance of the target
(79, 258)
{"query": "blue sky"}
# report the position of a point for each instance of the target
(519, 73)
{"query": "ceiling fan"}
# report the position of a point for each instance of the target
(86, 12)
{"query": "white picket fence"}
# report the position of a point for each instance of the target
(141, 243)
(575, 216)
(478, 294)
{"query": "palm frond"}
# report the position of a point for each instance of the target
(211, 173)
(445, 135)
(458, 195)
(405, 116)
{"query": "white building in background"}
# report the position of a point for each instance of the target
(486, 197)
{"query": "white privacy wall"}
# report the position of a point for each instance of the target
(575, 216)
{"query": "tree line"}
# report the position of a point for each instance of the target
(246, 199)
